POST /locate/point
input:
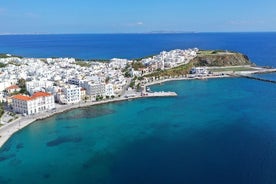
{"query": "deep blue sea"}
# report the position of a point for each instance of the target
(219, 131)
(260, 47)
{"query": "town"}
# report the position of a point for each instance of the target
(35, 85)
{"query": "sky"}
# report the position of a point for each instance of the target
(136, 16)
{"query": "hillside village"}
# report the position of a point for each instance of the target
(33, 85)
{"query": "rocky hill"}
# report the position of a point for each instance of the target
(220, 58)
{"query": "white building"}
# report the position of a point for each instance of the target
(5, 84)
(199, 70)
(93, 89)
(75, 81)
(109, 90)
(72, 94)
(38, 102)
(35, 86)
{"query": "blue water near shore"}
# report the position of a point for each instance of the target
(214, 131)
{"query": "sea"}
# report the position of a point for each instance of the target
(216, 131)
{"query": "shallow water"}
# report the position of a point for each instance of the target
(214, 131)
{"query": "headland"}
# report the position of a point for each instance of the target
(117, 80)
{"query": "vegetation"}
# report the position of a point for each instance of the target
(93, 60)
(138, 87)
(8, 56)
(127, 74)
(22, 84)
(127, 68)
(140, 78)
(44, 61)
(177, 71)
(132, 84)
(14, 63)
(2, 65)
(1, 109)
(212, 52)
(137, 65)
(98, 97)
(83, 64)
(220, 58)
(99, 60)
(139, 59)
(234, 69)
(107, 79)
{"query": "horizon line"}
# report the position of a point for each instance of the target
(152, 32)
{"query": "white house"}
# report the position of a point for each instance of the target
(35, 86)
(38, 102)
(199, 70)
(72, 94)
(12, 89)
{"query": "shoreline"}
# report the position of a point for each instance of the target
(7, 130)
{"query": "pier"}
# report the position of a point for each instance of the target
(161, 94)
(254, 78)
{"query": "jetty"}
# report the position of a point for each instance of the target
(253, 78)
(161, 94)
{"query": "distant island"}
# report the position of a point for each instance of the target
(36, 88)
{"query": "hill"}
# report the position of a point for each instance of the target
(220, 58)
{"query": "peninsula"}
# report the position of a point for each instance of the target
(36, 88)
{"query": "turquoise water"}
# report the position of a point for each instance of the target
(214, 131)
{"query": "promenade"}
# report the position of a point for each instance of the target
(7, 130)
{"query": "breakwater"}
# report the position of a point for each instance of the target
(254, 78)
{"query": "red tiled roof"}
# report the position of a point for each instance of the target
(12, 87)
(22, 97)
(40, 94)
(27, 98)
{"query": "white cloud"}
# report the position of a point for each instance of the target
(140, 23)
(136, 24)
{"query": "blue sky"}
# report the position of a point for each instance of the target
(135, 16)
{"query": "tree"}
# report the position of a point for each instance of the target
(132, 84)
(140, 78)
(107, 79)
(127, 74)
(22, 84)
(138, 87)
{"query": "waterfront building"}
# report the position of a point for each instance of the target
(199, 71)
(109, 90)
(72, 94)
(38, 102)
(93, 89)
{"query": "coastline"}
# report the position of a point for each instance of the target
(7, 130)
